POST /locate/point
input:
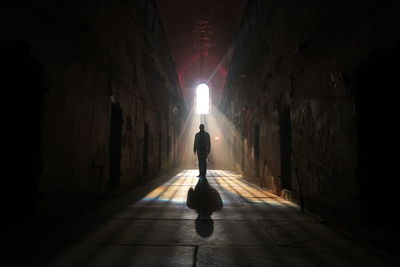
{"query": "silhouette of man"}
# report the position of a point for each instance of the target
(202, 146)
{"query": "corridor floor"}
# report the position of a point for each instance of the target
(254, 228)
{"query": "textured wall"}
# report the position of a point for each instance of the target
(293, 75)
(107, 76)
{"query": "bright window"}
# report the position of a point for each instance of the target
(202, 99)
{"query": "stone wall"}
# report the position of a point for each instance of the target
(293, 77)
(110, 106)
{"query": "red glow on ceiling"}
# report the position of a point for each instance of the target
(201, 35)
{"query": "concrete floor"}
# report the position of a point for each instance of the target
(152, 226)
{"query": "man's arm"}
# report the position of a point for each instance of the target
(208, 144)
(195, 144)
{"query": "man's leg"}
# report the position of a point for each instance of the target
(205, 165)
(202, 163)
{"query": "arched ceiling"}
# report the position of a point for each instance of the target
(201, 34)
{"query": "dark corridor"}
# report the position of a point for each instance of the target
(99, 103)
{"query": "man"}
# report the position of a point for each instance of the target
(202, 146)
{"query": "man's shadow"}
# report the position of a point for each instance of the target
(205, 200)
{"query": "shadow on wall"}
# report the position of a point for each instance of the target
(205, 200)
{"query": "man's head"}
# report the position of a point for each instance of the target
(201, 127)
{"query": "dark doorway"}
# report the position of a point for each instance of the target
(243, 155)
(145, 149)
(159, 150)
(256, 150)
(115, 144)
(377, 85)
(168, 144)
(22, 81)
(285, 132)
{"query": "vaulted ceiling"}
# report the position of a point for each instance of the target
(201, 35)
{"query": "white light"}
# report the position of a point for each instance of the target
(202, 98)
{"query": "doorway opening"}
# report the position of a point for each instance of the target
(115, 144)
(377, 140)
(285, 132)
(257, 150)
(202, 99)
(145, 149)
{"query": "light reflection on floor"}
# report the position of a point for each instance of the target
(254, 228)
(231, 186)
